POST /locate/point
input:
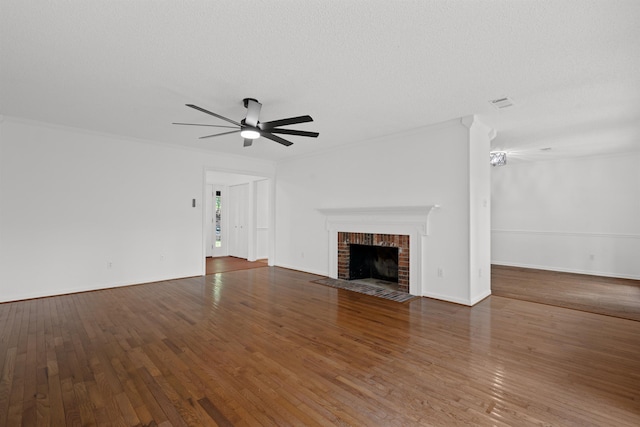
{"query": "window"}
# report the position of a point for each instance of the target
(218, 231)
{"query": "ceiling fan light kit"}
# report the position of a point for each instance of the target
(251, 128)
(250, 134)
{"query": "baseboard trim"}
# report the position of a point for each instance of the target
(447, 298)
(296, 268)
(566, 270)
(567, 233)
(480, 297)
(71, 291)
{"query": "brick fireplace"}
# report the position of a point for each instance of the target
(345, 239)
(405, 227)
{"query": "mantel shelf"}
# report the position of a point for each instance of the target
(359, 217)
(384, 210)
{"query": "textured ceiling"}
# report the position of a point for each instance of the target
(361, 69)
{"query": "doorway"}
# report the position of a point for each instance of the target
(237, 218)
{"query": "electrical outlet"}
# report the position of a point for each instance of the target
(440, 272)
(109, 265)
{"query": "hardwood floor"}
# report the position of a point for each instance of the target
(596, 294)
(265, 346)
(229, 263)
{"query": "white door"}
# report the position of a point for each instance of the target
(238, 220)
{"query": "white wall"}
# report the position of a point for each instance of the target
(209, 223)
(82, 211)
(263, 219)
(425, 167)
(578, 215)
(479, 211)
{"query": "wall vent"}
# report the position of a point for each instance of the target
(500, 103)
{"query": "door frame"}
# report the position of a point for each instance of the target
(252, 177)
(209, 225)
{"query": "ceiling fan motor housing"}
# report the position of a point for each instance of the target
(245, 101)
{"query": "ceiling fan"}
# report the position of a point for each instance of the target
(251, 128)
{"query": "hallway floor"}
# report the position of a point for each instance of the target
(230, 263)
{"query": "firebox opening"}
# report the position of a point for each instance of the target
(375, 262)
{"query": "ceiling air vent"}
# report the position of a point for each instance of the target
(501, 103)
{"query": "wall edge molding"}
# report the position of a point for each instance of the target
(99, 287)
(304, 270)
(565, 270)
(125, 138)
(375, 139)
(566, 233)
(447, 298)
(480, 297)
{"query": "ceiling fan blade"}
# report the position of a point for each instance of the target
(213, 114)
(283, 122)
(253, 112)
(276, 138)
(198, 124)
(220, 134)
(247, 142)
(295, 132)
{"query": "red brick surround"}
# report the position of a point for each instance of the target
(393, 240)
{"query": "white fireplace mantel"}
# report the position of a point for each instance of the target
(417, 216)
(405, 220)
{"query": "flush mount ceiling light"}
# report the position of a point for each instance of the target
(498, 158)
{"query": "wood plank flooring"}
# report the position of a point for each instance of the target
(266, 346)
(596, 294)
(228, 263)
